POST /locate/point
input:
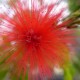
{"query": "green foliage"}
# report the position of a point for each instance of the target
(74, 5)
(76, 63)
(69, 72)
(3, 74)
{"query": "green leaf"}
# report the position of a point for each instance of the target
(3, 74)
(26, 78)
(72, 3)
(69, 72)
(76, 63)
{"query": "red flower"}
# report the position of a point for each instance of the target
(34, 39)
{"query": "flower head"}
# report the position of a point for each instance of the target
(34, 39)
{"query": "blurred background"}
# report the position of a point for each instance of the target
(71, 72)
